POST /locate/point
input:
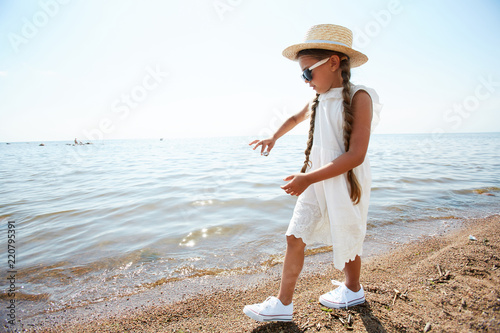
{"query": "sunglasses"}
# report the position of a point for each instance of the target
(307, 73)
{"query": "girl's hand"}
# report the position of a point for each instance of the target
(267, 143)
(298, 184)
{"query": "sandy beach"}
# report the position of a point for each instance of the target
(447, 283)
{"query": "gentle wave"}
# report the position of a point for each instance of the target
(115, 218)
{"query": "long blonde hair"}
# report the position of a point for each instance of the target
(345, 67)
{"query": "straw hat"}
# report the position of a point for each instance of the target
(328, 37)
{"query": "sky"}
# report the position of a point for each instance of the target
(125, 69)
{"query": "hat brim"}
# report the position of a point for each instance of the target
(357, 58)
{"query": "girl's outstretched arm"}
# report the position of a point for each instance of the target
(358, 146)
(288, 125)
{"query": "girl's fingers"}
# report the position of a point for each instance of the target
(264, 144)
(289, 188)
(257, 142)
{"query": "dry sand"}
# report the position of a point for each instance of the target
(438, 284)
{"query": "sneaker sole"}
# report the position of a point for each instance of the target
(263, 318)
(335, 305)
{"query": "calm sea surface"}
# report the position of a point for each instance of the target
(119, 217)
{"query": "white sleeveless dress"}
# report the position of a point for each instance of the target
(324, 212)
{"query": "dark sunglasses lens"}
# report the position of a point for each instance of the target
(307, 74)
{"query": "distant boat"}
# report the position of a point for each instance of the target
(161, 139)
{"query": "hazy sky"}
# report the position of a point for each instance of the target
(149, 69)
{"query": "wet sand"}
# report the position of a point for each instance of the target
(446, 283)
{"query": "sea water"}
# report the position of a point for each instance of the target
(116, 218)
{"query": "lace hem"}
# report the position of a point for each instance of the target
(309, 224)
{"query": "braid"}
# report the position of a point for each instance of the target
(314, 105)
(345, 67)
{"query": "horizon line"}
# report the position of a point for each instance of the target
(223, 136)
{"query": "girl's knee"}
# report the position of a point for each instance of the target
(293, 241)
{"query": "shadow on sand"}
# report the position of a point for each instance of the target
(278, 327)
(371, 323)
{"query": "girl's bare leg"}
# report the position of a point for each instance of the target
(294, 261)
(352, 271)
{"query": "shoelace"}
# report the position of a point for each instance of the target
(267, 302)
(343, 291)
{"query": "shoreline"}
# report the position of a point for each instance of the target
(404, 292)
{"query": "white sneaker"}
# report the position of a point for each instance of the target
(342, 297)
(270, 310)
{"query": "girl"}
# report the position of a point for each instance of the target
(333, 187)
